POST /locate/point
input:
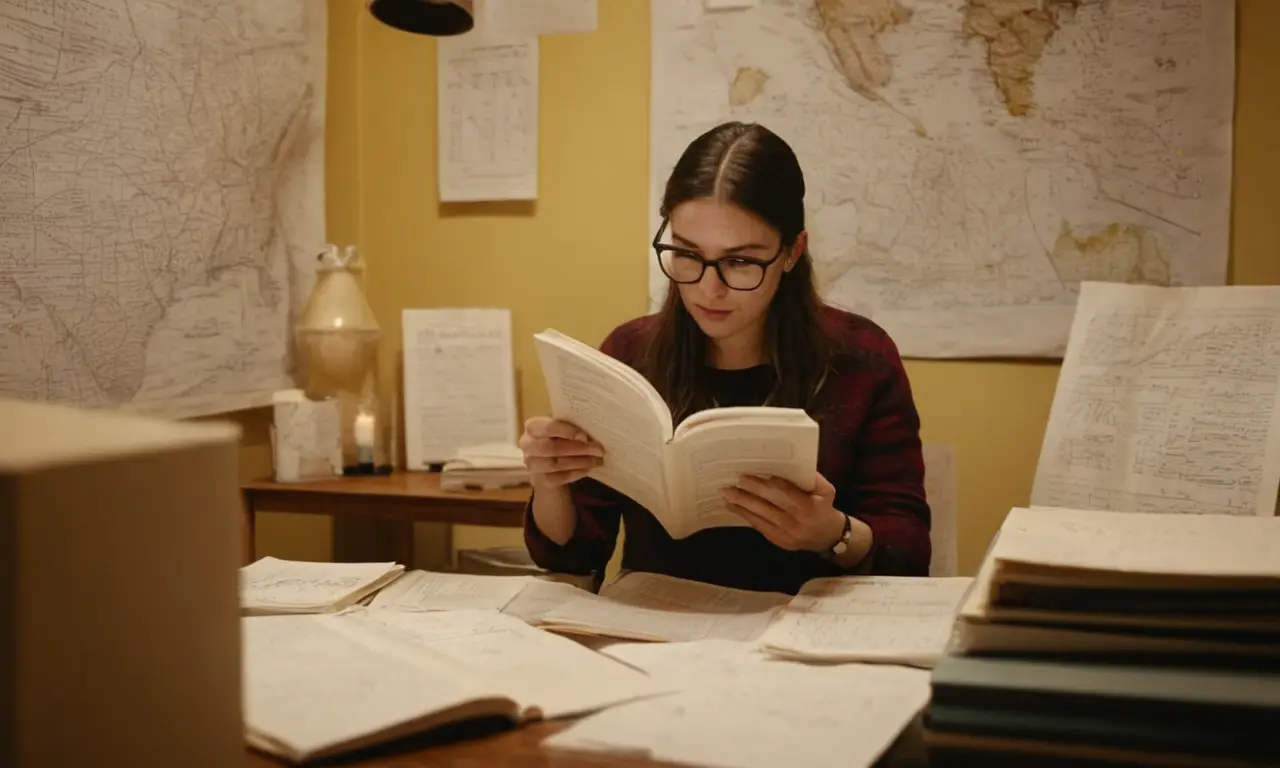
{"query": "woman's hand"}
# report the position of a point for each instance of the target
(787, 516)
(557, 453)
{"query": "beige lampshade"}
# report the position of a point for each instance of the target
(425, 17)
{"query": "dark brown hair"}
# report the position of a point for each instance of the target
(753, 168)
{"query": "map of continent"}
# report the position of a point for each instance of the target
(161, 199)
(970, 162)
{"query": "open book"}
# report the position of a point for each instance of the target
(271, 585)
(326, 684)
(676, 474)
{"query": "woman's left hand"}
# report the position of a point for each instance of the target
(787, 516)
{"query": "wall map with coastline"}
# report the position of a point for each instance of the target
(970, 162)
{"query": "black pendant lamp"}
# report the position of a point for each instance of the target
(440, 18)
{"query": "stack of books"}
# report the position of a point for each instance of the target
(1116, 637)
(487, 467)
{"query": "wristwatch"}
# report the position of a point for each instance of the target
(842, 543)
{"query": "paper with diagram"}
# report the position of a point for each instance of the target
(487, 107)
(1168, 401)
(163, 177)
(970, 162)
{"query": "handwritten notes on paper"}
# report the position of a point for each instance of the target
(431, 591)
(650, 606)
(1168, 401)
(459, 382)
(772, 715)
(892, 619)
(556, 675)
(487, 102)
(272, 585)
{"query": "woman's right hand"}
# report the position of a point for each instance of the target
(557, 453)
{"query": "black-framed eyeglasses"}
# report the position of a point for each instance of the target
(682, 265)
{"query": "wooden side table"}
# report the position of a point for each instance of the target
(406, 497)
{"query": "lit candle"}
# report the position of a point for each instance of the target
(364, 438)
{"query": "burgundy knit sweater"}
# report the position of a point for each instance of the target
(869, 450)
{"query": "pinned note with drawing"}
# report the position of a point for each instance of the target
(1168, 401)
(487, 103)
(459, 382)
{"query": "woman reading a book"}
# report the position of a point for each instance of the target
(743, 326)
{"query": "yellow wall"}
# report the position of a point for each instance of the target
(592, 212)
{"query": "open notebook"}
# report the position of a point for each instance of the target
(322, 685)
(271, 585)
(651, 606)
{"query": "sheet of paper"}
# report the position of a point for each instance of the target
(530, 18)
(271, 584)
(539, 597)
(309, 683)
(616, 414)
(693, 663)
(783, 715)
(1168, 401)
(1168, 544)
(487, 102)
(892, 619)
(647, 606)
(554, 675)
(431, 591)
(459, 382)
(940, 489)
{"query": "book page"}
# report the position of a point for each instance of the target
(1168, 401)
(310, 686)
(1169, 544)
(431, 591)
(549, 674)
(487, 108)
(786, 714)
(649, 606)
(539, 598)
(893, 619)
(585, 390)
(706, 460)
(298, 586)
(459, 382)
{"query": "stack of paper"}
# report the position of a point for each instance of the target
(272, 586)
(896, 620)
(484, 468)
(650, 606)
(1119, 634)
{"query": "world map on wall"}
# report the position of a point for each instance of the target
(161, 199)
(970, 162)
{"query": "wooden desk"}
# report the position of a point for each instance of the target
(480, 745)
(406, 497)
